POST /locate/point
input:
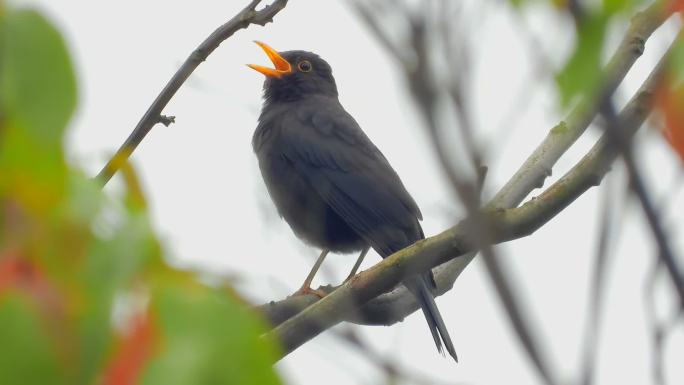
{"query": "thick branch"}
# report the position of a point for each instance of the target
(249, 15)
(505, 225)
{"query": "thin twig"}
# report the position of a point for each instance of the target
(596, 290)
(652, 322)
(249, 15)
(623, 145)
(426, 96)
(391, 369)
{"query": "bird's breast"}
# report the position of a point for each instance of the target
(298, 203)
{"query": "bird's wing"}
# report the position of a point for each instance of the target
(328, 148)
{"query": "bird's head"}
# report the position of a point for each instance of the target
(297, 74)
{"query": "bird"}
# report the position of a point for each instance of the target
(328, 181)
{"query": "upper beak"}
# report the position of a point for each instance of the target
(282, 66)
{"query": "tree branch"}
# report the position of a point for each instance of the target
(249, 15)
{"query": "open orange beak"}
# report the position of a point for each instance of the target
(282, 67)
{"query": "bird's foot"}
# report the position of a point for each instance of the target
(306, 290)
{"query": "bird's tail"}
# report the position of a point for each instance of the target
(418, 285)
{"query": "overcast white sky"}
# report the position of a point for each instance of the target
(210, 207)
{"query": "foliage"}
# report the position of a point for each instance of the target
(580, 75)
(85, 294)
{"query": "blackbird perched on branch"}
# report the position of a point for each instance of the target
(328, 180)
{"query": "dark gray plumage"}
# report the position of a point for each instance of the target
(327, 179)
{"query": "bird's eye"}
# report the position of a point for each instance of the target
(304, 66)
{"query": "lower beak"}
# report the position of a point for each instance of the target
(282, 66)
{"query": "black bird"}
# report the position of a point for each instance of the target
(328, 180)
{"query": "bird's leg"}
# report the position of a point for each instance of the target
(357, 264)
(306, 286)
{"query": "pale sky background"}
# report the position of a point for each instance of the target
(212, 211)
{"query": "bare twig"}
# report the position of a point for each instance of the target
(426, 94)
(391, 369)
(638, 186)
(249, 15)
(592, 329)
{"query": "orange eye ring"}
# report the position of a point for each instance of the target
(304, 66)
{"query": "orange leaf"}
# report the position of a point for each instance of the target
(670, 101)
(133, 352)
(677, 5)
(12, 269)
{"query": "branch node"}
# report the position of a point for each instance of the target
(263, 21)
(595, 179)
(166, 120)
(539, 183)
(248, 16)
(560, 128)
(638, 45)
(265, 15)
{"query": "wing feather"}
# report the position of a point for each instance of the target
(328, 149)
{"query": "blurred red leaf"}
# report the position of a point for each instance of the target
(677, 5)
(670, 101)
(134, 351)
(13, 271)
(20, 273)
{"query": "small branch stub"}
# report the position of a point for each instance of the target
(166, 120)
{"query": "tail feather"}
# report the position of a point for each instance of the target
(418, 285)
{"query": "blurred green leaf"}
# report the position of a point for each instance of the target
(27, 356)
(37, 82)
(135, 197)
(113, 264)
(207, 338)
(37, 98)
(516, 3)
(615, 6)
(84, 200)
(581, 74)
(608, 6)
(91, 248)
(622, 6)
